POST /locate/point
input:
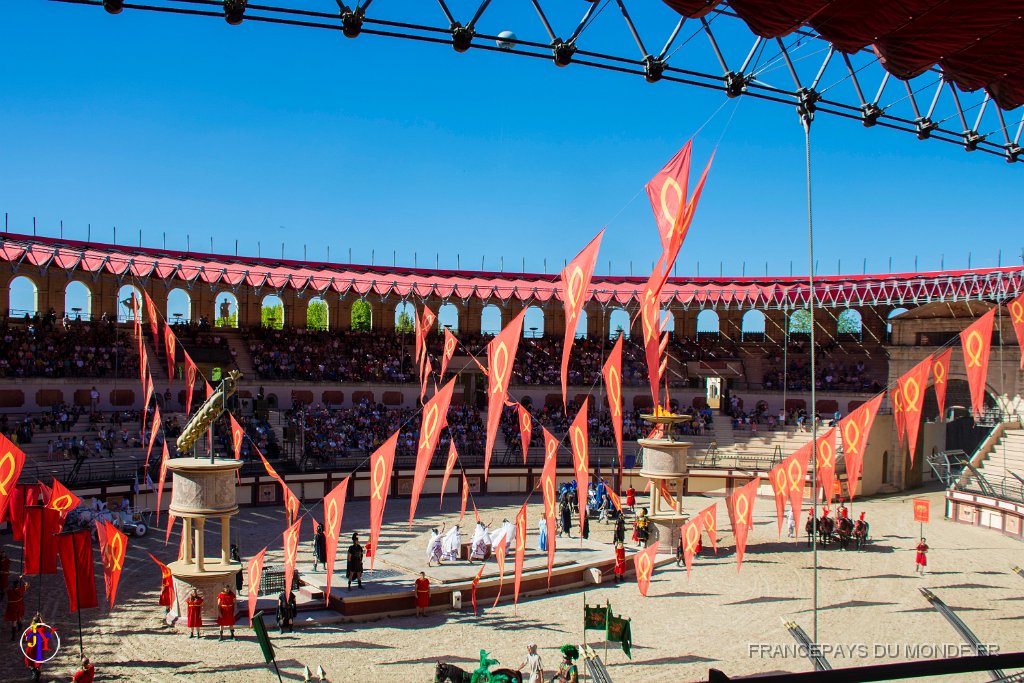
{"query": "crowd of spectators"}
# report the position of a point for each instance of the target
(342, 356)
(42, 346)
(829, 375)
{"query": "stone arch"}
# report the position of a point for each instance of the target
(405, 317)
(78, 300)
(318, 314)
(708, 322)
(533, 322)
(752, 325)
(272, 312)
(225, 310)
(24, 296)
(179, 306)
(490, 319)
(125, 309)
(618, 320)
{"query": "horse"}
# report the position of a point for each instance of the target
(449, 673)
(845, 532)
(825, 529)
(810, 528)
(860, 533)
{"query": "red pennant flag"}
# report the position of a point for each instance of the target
(75, 548)
(912, 386)
(427, 370)
(977, 345)
(191, 370)
(581, 458)
(690, 533)
(170, 525)
(145, 402)
(612, 374)
(40, 550)
(434, 420)
(476, 582)
(170, 345)
(166, 579)
(525, 428)
(143, 361)
(24, 495)
(237, 435)
(573, 289)
(254, 570)
(643, 563)
(740, 505)
(1017, 318)
(291, 504)
(940, 374)
(650, 313)
(666, 495)
(465, 497)
(136, 318)
(548, 489)
(12, 460)
(291, 550)
(683, 219)
(855, 429)
(62, 500)
(614, 497)
(113, 546)
(898, 414)
(45, 493)
(152, 433)
(779, 478)
(151, 314)
(667, 191)
(825, 463)
(381, 462)
(709, 520)
(163, 478)
(424, 324)
(334, 510)
(520, 551)
(450, 343)
(453, 455)
(501, 355)
(500, 550)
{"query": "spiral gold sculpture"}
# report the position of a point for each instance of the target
(208, 412)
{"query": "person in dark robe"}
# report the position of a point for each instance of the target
(286, 610)
(566, 514)
(236, 557)
(619, 534)
(319, 547)
(354, 566)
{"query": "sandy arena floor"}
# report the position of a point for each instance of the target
(714, 619)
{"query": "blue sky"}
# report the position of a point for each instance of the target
(276, 135)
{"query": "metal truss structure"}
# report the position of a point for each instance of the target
(717, 52)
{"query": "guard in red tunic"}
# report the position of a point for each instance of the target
(195, 614)
(922, 557)
(226, 611)
(422, 595)
(166, 591)
(86, 673)
(15, 610)
(631, 498)
(620, 562)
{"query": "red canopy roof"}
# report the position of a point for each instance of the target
(978, 43)
(176, 268)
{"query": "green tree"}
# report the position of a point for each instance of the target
(849, 322)
(272, 316)
(229, 321)
(361, 316)
(316, 315)
(800, 322)
(405, 324)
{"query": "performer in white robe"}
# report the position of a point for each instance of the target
(480, 546)
(451, 545)
(542, 534)
(434, 547)
(510, 534)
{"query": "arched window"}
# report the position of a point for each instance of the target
(896, 312)
(78, 300)
(317, 316)
(581, 325)
(24, 297)
(179, 306)
(707, 322)
(272, 312)
(849, 322)
(800, 321)
(225, 309)
(362, 316)
(125, 309)
(405, 318)
(618, 323)
(448, 316)
(533, 322)
(490, 320)
(752, 326)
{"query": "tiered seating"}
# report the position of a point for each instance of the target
(1005, 460)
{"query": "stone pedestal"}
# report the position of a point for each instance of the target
(665, 461)
(202, 490)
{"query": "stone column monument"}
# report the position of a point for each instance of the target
(664, 460)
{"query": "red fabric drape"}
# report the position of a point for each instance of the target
(12, 460)
(163, 478)
(453, 455)
(500, 550)
(254, 570)
(290, 541)
(170, 346)
(709, 521)
(75, 548)
(690, 535)
(912, 386)
(113, 547)
(166, 579)
(612, 375)
(1017, 318)
(237, 436)
(520, 550)
(450, 344)
(643, 563)
(40, 550)
(62, 500)
(525, 428)
(825, 463)
(465, 498)
(190, 382)
(940, 377)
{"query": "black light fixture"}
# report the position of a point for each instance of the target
(734, 84)
(563, 52)
(972, 139)
(653, 69)
(351, 20)
(113, 6)
(925, 126)
(234, 11)
(462, 37)
(870, 114)
(1013, 152)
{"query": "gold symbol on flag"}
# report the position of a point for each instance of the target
(644, 568)
(378, 479)
(1017, 312)
(670, 184)
(449, 346)
(254, 575)
(911, 397)
(580, 444)
(501, 368)
(851, 437)
(974, 347)
(796, 478)
(332, 517)
(825, 454)
(575, 292)
(292, 546)
(939, 370)
(780, 480)
(741, 520)
(615, 390)
(61, 504)
(114, 551)
(429, 426)
(549, 497)
(691, 538)
(11, 465)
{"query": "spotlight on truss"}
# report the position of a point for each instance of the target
(563, 52)
(462, 37)
(351, 20)
(113, 6)
(506, 40)
(234, 11)
(653, 69)
(870, 113)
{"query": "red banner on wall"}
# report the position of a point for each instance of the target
(434, 420)
(977, 344)
(573, 289)
(549, 490)
(912, 386)
(75, 548)
(612, 375)
(740, 505)
(855, 429)
(579, 438)
(501, 356)
(381, 463)
(940, 375)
